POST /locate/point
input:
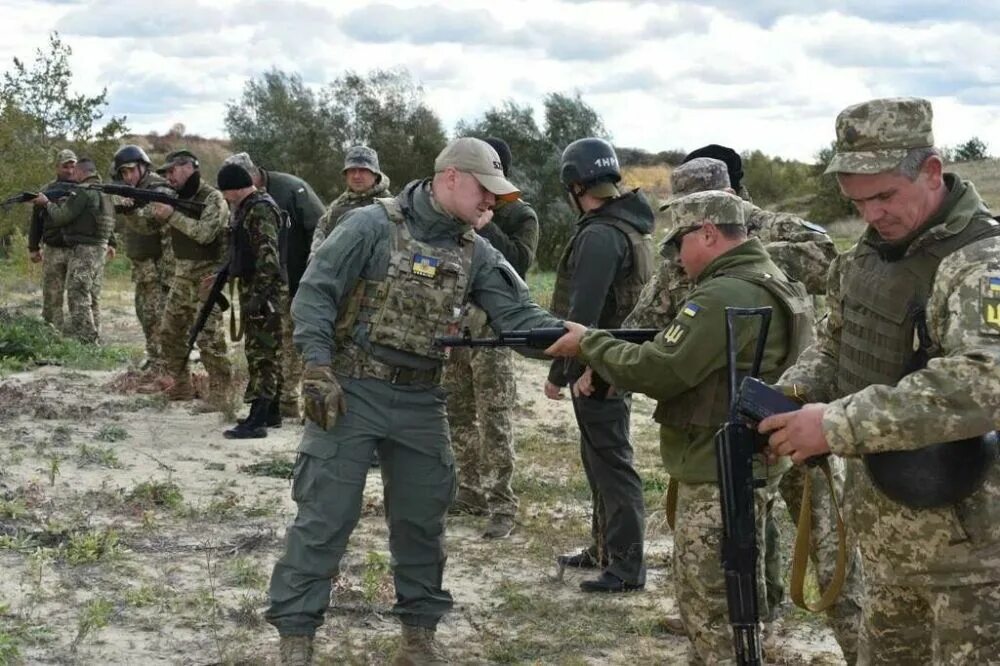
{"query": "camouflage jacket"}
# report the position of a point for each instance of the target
(347, 201)
(253, 251)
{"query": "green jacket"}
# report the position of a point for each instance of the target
(514, 231)
(692, 351)
(85, 217)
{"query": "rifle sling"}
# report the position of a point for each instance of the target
(803, 539)
(234, 334)
(670, 503)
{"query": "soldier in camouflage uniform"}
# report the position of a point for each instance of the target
(365, 183)
(684, 369)
(56, 255)
(302, 210)
(255, 264)
(803, 251)
(147, 245)
(199, 244)
(86, 221)
(480, 381)
(928, 264)
(390, 278)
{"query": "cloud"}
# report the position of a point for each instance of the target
(381, 24)
(766, 12)
(637, 79)
(126, 18)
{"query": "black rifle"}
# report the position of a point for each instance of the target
(215, 296)
(735, 445)
(54, 193)
(536, 338)
(144, 196)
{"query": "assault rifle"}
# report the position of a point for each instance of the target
(536, 338)
(215, 297)
(54, 193)
(144, 196)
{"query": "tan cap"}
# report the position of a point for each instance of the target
(65, 155)
(874, 136)
(478, 158)
(694, 210)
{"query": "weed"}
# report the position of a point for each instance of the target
(244, 572)
(95, 616)
(96, 455)
(279, 468)
(146, 595)
(13, 508)
(111, 432)
(25, 341)
(375, 581)
(150, 494)
(247, 614)
(53, 469)
(92, 546)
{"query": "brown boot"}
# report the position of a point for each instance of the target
(418, 647)
(296, 650)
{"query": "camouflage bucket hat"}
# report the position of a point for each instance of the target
(241, 159)
(694, 210)
(699, 175)
(65, 155)
(874, 137)
(362, 157)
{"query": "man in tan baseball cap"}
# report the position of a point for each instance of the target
(473, 157)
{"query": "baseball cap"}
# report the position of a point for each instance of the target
(477, 157)
(65, 155)
(182, 156)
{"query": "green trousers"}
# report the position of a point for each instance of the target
(408, 426)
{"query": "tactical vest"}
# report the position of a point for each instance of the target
(188, 248)
(707, 405)
(420, 298)
(626, 287)
(92, 226)
(242, 254)
(140, 246)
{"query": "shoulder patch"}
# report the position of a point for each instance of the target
(674, 334)
(989, 304)
(691, 309)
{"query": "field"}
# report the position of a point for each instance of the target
(131, 532)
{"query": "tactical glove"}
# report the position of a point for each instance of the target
(322, 396)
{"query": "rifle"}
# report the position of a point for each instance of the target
(144, 196)
(54, 193)
(735, 445)
(536, 338)
(215, 296)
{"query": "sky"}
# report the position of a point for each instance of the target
(766, 74)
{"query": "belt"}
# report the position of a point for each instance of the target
(359, 365)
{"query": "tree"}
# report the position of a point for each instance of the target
(828, 204)
(970, 151)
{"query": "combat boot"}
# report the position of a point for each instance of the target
(254, 426)
(500, 527)
(296, 650)
(273, 415)
(419, 647)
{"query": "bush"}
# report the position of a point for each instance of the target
(26, 341)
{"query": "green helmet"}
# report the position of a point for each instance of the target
(589, 161)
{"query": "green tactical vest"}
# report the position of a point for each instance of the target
(626, 287)
(707, 405)
(91, 227)
(188, 248)
(140, 246)
(420, 298)
(877, 341)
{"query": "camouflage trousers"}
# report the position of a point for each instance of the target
(844, 616)
(262, 345)
(481, 395)
(55, 263)
(179, 313)
(700, 586)
(904, 625)
(151, 287)
(290, 358)
(84, 278)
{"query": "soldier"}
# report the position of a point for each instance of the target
(255, 263)
(147, 245)
(803, 252)
(599, 277)
(924, 275)
(365, 182)
(390, 278)
(480, 381)
(55, 257)
(86, 222)
(684, 368)
(198, 246)
(302, 210)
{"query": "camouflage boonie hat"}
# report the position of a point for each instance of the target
(243, 160)
(65, 155)
(362, 157)
(694, 210)
(182, 156)
(874, 136)
(699, 175)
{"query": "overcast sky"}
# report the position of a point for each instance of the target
(767, 74)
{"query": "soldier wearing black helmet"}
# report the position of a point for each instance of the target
(148, 248)
(600, 275)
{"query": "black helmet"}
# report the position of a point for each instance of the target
(589, 161)
(129, 155)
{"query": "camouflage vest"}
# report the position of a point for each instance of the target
(420, 298)
(188, 248)
(625, 288)
(877, 341)
(140, 246)
(707, 405)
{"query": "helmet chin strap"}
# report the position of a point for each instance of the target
(575, 197)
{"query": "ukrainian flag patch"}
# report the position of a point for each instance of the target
(994, 283)
(691, 309)
(425, 266)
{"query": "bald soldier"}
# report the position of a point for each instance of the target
(908, 357)
(684, 369)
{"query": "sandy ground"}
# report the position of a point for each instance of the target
(132, 532)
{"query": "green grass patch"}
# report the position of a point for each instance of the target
(92, 546)
(26, 341)
(111, 432)
(540, 285)
(277, 467)
(99, 456)
(152, 494)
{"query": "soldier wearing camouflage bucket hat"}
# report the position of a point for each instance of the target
(365, 183)
(684, 368)
(902, 380)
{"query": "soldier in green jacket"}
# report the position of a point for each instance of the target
(925, 275)
(684, 369)
(390, 278)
